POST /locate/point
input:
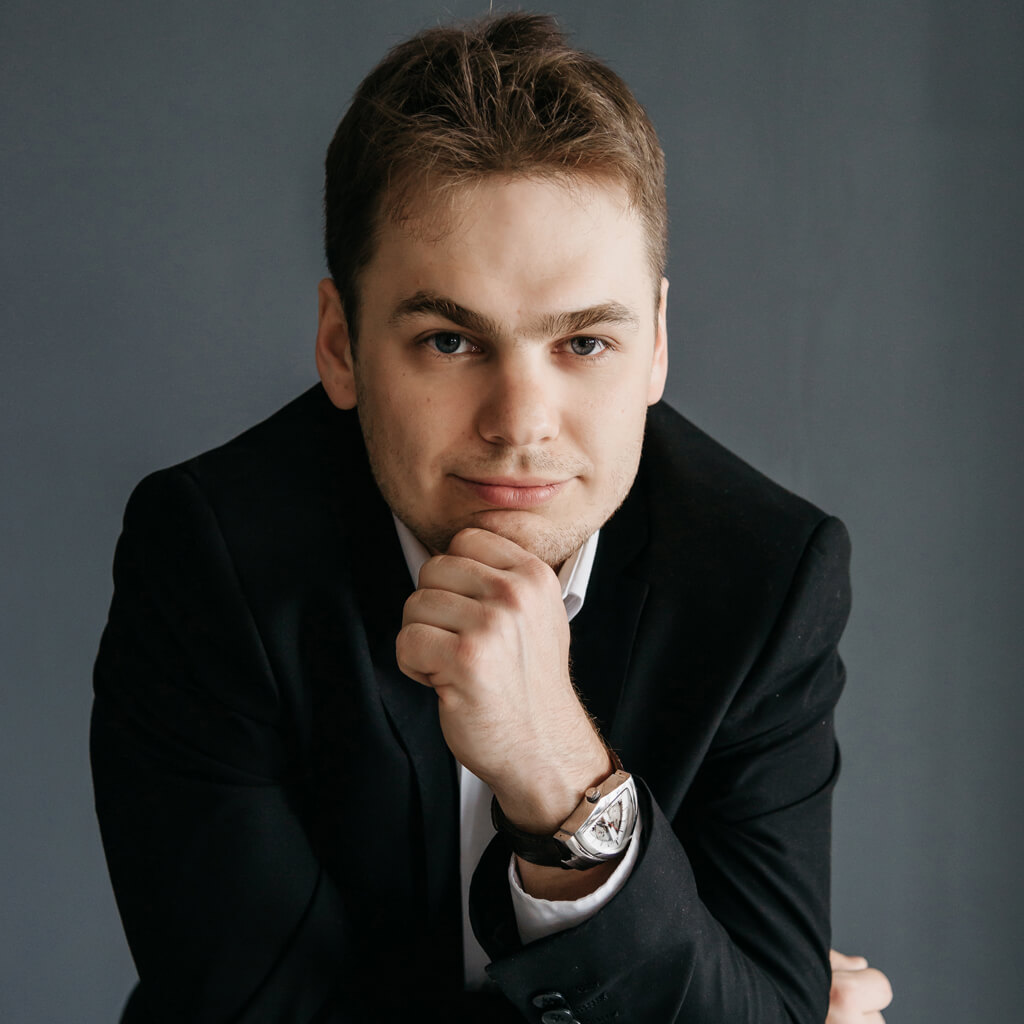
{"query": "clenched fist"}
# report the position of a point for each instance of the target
(487, 630)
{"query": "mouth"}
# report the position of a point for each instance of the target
(513, 492)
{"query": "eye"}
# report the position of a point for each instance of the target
(587, 346)
(449, 343)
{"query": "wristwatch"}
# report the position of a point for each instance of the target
(597, 831)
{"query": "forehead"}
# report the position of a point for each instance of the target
(550, 242)
(435, 204)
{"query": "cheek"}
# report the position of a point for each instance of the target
(613, 417)
(622, 425)
(393, 405)
(418, 426)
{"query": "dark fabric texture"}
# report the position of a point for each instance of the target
(279, 810)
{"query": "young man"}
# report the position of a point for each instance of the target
(479, 573)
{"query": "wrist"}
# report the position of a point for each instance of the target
(598, 829)
(548, 795)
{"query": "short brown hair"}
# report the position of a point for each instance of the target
(503, 94)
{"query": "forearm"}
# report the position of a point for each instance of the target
(657, 951)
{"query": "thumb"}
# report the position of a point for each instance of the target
(842, 962)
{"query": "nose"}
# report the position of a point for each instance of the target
(521, 404)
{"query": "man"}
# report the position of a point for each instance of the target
(341, 643)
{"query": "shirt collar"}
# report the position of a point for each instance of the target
(574, 575)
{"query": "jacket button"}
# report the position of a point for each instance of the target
(558, 1017)
(550, 1001)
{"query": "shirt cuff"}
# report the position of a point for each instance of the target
(538, 918)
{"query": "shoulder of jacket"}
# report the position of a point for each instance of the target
(274, 492)
(709, 507)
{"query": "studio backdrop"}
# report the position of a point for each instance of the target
(846, 310)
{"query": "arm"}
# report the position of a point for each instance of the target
(227, 912)
(725, 916)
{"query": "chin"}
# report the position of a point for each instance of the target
(552, 543)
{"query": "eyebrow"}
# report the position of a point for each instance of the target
(431, 304)
(574, 322)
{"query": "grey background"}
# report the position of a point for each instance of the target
(846, 312)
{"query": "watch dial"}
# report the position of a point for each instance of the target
(606, 833)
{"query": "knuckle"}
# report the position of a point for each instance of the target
(401, 656)
(533, 568)
(402, 643)
(839, 996)
(490, 619)
(450, 697)
(412, 604)
(409, 639)
(469, 649)
(508, 592)
(430, 568)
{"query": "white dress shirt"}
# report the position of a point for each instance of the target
(534, 917)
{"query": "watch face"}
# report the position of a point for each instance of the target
(605, 833)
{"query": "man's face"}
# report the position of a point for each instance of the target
(508, 348)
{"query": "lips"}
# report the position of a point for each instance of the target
(514, 492)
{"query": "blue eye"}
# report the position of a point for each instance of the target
(448, 343)
(587, 346)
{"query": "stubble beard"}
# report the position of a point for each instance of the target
(551, 542)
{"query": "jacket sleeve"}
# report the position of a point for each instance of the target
(725, 916)
(227, 912)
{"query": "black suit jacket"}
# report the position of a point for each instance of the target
(280, 812)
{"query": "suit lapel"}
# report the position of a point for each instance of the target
(383, 585)
(604, 630)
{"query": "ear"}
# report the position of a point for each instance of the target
(334, 358)
(659, 364)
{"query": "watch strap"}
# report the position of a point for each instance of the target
(537, 849)
(560, 849)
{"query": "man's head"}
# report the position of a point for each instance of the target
(451, 106)
(496, 236)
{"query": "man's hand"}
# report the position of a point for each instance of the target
(487, 630)
(859, 993)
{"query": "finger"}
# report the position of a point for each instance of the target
(490, 548)
(443, 609)
(423, 652)
(458, 575)
(859, 992)
(461, 574)
(879, 987)
(842, 962)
